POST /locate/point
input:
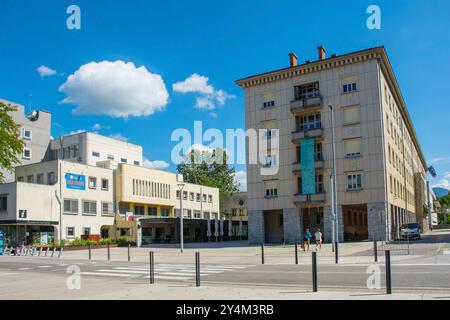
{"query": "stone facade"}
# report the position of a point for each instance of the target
(377, 221)
(292, 226)
(256, 227)
(328, 224)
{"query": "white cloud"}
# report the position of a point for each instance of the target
(240, 177)
(156, 164)
(200, 148)
(117, 89)
(120, 137)
(45, 71)
(97, 126)
(439, 160)
(444, 183)
(209, 96)
(194, 84)
(76, 132)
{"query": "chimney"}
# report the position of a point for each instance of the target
(322, 52)
(293, 59)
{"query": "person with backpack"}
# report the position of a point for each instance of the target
(306, 240)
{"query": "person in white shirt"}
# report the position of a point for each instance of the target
(318, 237)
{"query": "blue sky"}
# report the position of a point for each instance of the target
(222, 41)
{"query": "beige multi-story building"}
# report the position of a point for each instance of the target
(148, 203)
(236, 210)
(380, 167)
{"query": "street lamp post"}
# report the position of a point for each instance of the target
(334, 191)
(181, 187)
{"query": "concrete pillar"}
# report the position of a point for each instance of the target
(256, 227)
(376, 220)
(292, 226)
(328, 224)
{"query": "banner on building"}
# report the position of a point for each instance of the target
(308, 166)
(75, 181)
(1, 242)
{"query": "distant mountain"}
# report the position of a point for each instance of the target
(440, 192)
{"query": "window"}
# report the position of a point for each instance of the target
(139, 210)
(110, 157)
(349, 84)
(107, 208)
(204, 197)
(136, 163)
(40, 178)
(165, 212)
(152, 211)
(96, 154)
(26, 154)
(197, 197)
(269, 125)
(280, 220)
(105, 184)
(351, 115)
(310, 122)
(354, 181)
(26, 134)
(271, 188)
(197, 214)
(268, 104)
(187, 213)
(86, 231)
(185, 195)
(125, 232)
(319, 184)
(178, 194)
(92, 183)
(70, 232)
(191, 196)
(89, 207)
(209, 198)
(51, 178)
(352, 147)
(307, 91)
(70, 206)
(123, 160)
(21, 179)
(3, 202)
(270, 161)
(30, 179)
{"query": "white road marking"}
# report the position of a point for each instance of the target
(106, 274)
(43, 267)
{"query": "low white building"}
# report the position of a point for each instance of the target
(56, 200)
(91, 148)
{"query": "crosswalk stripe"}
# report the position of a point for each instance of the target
(105, 274)
(169, 277)
(123, 271)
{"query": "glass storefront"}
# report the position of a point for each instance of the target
(17, 235)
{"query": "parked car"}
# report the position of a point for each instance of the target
(410, 231)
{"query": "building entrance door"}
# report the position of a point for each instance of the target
(355, 223)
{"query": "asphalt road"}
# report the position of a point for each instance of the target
(426, 268)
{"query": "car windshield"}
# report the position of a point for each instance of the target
(410, 226)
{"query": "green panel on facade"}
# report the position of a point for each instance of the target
(308, 166)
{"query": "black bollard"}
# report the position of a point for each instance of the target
(90, 255)
(336, 252)
(109, 253)
(296, 253)
(152, 268)
(314, 271)
(375, 250)
(129, 258)
(388, 273)
(197, 269)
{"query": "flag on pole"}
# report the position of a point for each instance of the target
(432, 171)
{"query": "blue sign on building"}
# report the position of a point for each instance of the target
(75, 181)
(1, 242)
(308, 167)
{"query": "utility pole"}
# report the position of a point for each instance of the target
(334, 187)
(181, 187)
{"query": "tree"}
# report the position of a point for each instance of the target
(210, 169)
(445, 201)
(10, 143)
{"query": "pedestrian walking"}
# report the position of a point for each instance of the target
(306, 240)
(318, 238)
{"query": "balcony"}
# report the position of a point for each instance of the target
(300, 199)
(306, 103)
(310, 133)
(297, 167)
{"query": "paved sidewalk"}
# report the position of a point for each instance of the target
(46, 286)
